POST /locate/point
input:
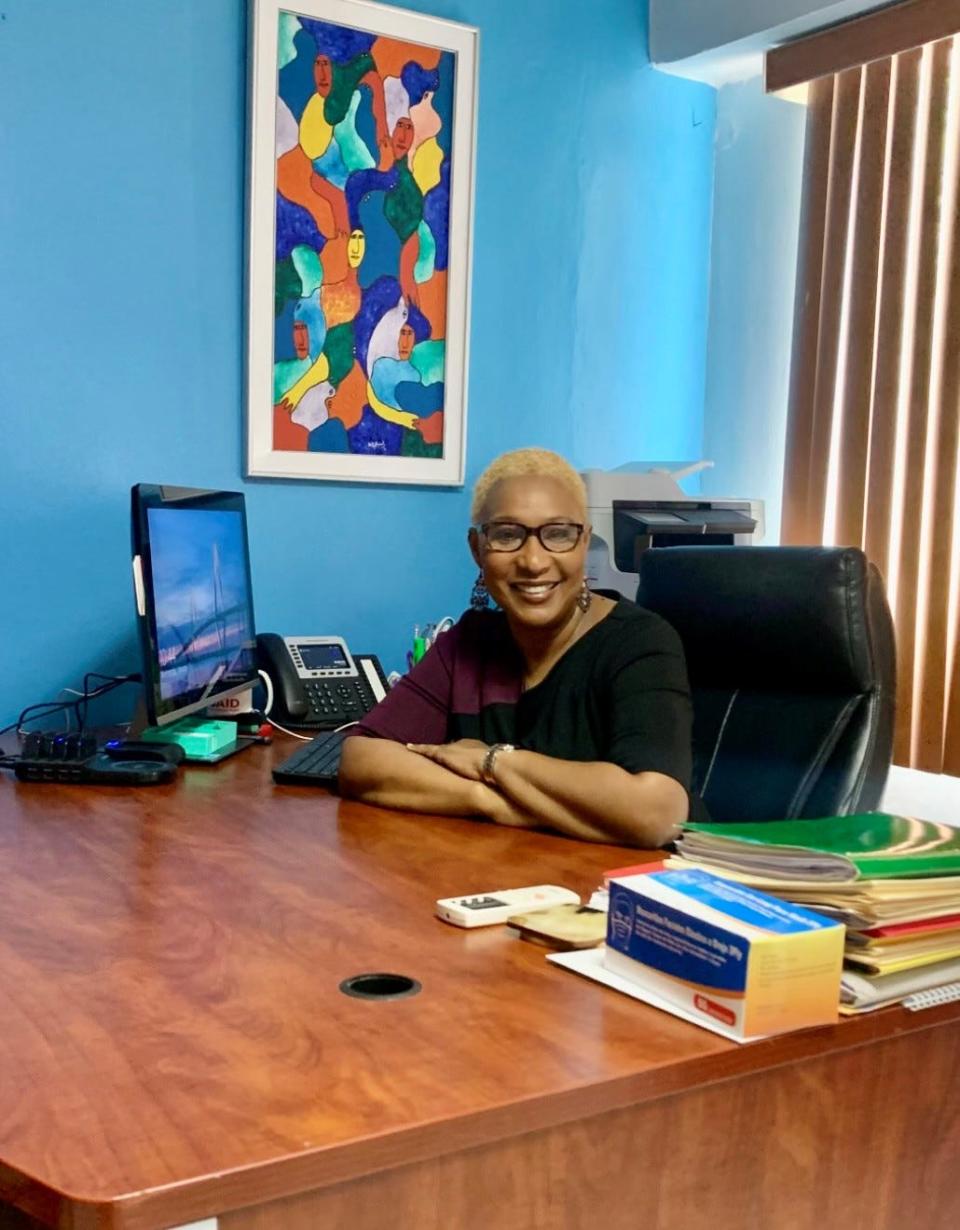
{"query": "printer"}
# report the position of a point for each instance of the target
(640, 505)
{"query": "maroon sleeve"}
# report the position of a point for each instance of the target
(417, 708)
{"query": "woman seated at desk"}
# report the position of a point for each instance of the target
(562, 710)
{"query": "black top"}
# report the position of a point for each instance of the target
(619, 694)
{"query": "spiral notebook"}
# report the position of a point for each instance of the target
(946, 994)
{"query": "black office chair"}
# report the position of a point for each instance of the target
(792, 666)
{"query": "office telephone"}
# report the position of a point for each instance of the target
(318, 684)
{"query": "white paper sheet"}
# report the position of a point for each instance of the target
(589, 963)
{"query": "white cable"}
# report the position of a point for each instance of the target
(444, 625)
(309, 738)
(268, 687)
(66, 713)
(277, 726)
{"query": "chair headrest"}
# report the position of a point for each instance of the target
(766, 617)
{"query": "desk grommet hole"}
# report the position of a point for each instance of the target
(380, 986)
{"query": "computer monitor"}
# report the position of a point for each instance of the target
(191, 572)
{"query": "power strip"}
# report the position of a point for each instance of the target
(73, 759)
(97, 770)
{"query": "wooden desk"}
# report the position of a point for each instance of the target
(173, 1043)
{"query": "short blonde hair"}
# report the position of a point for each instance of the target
(523, 463)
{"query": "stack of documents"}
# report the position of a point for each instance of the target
(893, 881)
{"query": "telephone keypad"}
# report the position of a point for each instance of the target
(336, 701)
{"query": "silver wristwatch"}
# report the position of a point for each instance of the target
(486, 768)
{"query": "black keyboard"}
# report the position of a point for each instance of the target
(314, 764)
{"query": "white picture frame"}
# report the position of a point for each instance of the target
(323, 147)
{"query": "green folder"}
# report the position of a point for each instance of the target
(873, 846)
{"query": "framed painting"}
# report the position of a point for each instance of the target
(362, 133)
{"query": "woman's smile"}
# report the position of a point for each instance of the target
(534, 591)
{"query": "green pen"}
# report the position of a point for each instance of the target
(419, 648)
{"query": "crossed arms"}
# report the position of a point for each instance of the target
(593, 801)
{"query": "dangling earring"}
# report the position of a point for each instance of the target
(479, 597)
(585, 597)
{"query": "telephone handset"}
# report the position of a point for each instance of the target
(317, 682)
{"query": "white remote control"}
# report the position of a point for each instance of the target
(485, 909)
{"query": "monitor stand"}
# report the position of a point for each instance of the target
(204, 740)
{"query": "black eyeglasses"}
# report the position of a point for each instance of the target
(556, 536)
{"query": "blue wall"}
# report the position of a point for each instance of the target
(121, 259)
(756, 221)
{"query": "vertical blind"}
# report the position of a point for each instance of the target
(872, 438)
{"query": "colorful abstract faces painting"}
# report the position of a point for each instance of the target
(363, 383)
